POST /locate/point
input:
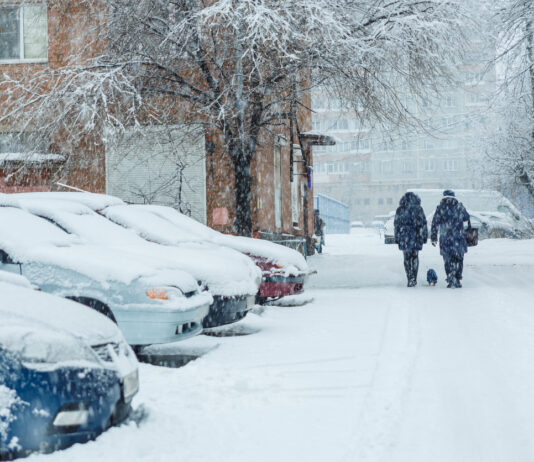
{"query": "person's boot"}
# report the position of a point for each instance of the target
(412, 282)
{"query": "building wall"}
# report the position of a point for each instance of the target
(86, 164)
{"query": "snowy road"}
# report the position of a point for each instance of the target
(369, 371)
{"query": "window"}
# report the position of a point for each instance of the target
(380, 201)
(367, 201)
(451, 165)
(332, 125)
(343, 124)
(389, 201)
(429, 165)
(386, 166)
(407, 166)
(450, 101)
(23, 33)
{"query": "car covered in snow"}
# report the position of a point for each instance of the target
(231, 277)
(66, 372)
(389, 230)
(151, 302)
(284, 270)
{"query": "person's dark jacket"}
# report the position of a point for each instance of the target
(410, 223)
(449, 221)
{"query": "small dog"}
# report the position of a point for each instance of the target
(431, 277)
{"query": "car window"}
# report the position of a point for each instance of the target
(149, 225)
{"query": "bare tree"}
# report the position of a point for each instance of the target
(237, 68)
(511, 148)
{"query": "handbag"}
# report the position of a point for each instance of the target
(471, 236)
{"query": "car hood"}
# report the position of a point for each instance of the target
(45, 311)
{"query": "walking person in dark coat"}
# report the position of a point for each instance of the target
(410, 233)
(449, 221)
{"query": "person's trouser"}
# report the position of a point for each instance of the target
(454, 266)
(411, 264)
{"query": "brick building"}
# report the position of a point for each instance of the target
(157, 164)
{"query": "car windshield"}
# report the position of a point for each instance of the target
(22, 230)
(95, 228)
(148, 225)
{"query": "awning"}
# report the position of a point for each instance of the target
(318, 139)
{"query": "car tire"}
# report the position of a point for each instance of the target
(95, 305)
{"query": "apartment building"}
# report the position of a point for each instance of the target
(370, 168)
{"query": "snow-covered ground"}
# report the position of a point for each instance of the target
(370, 370)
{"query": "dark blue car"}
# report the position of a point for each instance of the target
(59, 387)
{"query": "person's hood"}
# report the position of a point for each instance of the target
(410, 198)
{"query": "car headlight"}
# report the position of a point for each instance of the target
(166, 293)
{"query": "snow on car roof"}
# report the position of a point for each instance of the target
(92, 200)
(149, 225)
(279, 254)
(226, 272)
(29, 238)
(473, 200)
(21, 230)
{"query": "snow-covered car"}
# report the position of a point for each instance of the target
(356, 224)
(66, 372)
(389, 231)
(492, 213)
(151, 303)
(231, 277)
(377, 224)
(284, 270)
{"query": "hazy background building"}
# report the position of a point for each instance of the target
(371, 167)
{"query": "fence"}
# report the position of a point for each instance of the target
(334, 213)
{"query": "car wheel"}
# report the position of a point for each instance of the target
(95, 305)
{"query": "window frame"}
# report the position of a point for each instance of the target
(22, 60)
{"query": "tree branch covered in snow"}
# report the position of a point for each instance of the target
(235, 68)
